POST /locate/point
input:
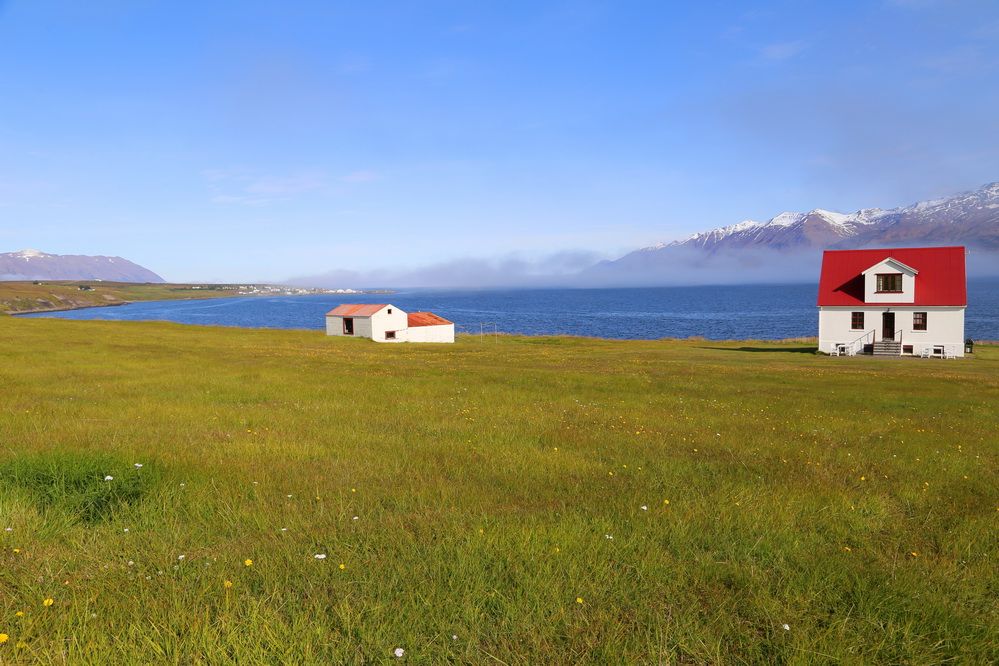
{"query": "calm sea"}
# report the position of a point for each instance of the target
(741, 312)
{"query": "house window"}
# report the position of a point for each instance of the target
(390, 335)
(890, 283)
(390, 310)
(348, 326)
(857, 321)
(919, 321)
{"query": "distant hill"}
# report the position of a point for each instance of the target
(969, 218)
(35, 265)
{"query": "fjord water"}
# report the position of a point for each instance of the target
(762, 312)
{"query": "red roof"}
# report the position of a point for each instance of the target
(941, 279)
(426, 319)
(355, 309)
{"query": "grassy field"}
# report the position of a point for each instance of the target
(67, 295)
(511, 500)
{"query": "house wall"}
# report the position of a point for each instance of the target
(871, 294)
(382, 321)
(441, 333)
(944, 326)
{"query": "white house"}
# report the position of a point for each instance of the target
(898, 301)
(383, 322)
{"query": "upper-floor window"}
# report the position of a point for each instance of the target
(890, 283)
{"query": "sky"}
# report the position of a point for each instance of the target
(263, 140)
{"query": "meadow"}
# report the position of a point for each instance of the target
(179, 494)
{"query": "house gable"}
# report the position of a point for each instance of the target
(890, 281)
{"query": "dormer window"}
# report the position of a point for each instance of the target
(889, 283)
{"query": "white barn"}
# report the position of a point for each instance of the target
(383, 322)
(902, 301)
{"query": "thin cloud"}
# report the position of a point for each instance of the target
(783, 50)
(245, 187)
(361, 176)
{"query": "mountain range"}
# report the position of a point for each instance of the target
(35, 265)
(970, 219)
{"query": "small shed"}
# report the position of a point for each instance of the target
(382, 322)
(428, 327)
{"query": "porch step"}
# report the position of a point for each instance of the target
(887, 348)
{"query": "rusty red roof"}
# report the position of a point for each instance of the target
(356, 309)
(426, 319)
(941, 278)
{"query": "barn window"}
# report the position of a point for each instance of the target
(890, 283)
(857, 321)
(919, 321)
(390, 310)
(348, 326)
(390, 335)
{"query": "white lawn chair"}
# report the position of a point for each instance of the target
(838, 349)
(925, 351)
(949, 351)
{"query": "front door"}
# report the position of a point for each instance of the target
(887, 325)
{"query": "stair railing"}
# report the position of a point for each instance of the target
(858, 344)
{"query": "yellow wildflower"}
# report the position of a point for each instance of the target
(342, 566)
(248, 562)
(579, 600)
(227, 584)
(19, 614)
(4, 638)
(48, 602)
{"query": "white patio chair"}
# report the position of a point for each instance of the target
(925, 351)
(949, 351)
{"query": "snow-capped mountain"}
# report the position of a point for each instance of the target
(789, 243)
(35, 265)
(970, 218)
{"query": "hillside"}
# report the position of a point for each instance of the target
(35, 265)
(204, 495)
(41, 296)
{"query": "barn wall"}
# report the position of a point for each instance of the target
(382, 321)
(441, 333)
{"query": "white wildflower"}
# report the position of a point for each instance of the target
(398, 652)
(109, 478)
(786, 627)
(320, 556)
(138, 465)
(645, 507)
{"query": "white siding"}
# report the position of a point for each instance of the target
(440, 333)
(944, 326)
(389, 318)
(871, 294)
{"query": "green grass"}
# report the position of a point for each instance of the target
(853, 499)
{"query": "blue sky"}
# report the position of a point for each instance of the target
(259, 140)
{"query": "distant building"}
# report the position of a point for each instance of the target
(907, 301)
(383, 322)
